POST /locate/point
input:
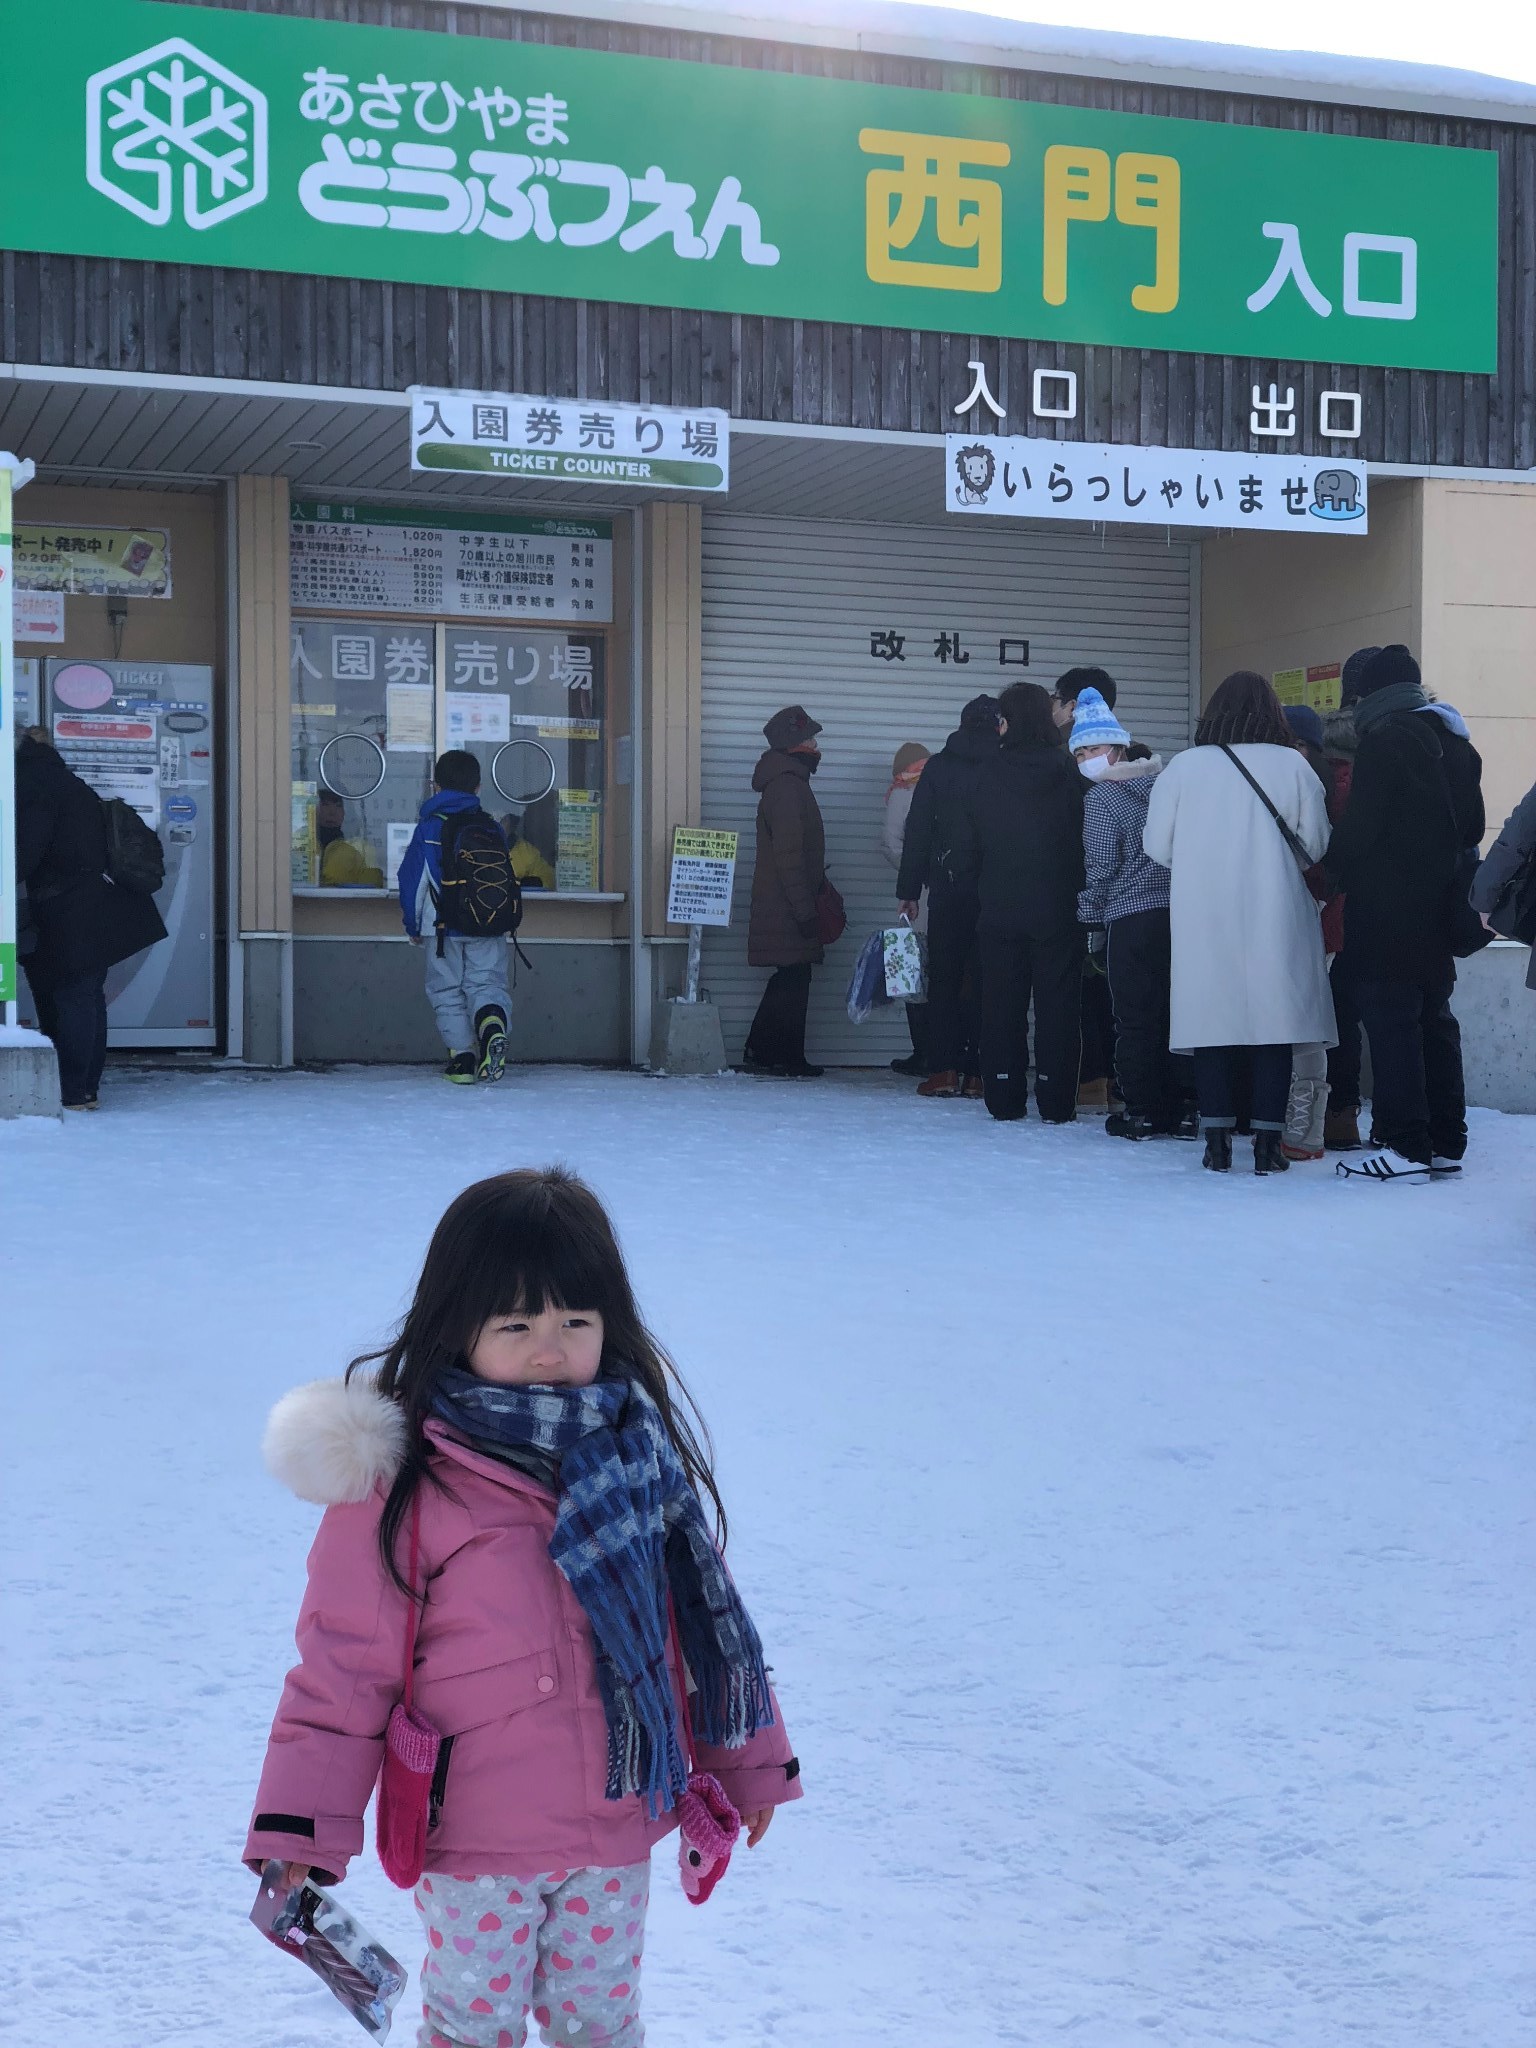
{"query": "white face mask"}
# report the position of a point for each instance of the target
(1096, 767)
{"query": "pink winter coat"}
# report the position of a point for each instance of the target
(505, 1668)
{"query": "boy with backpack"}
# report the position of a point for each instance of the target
(457, 862)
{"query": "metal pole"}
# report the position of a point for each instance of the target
(695, 948)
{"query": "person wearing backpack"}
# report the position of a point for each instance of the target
(457, 866)
(84, 921)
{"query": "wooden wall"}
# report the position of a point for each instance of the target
(111, 315)
(672, 565)
(262, 628)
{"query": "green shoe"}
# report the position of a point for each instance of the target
(460, 1068)
(491, 1035)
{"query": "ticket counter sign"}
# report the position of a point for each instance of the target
(492, 433)
(703, 877)
(266, 141)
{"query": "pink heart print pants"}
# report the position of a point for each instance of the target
(564, 1947)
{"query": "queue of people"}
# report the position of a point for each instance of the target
(1243, 912)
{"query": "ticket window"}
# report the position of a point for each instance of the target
(363, 729)
(530, 704)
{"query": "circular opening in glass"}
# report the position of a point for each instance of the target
(523, 771)
(352, 765)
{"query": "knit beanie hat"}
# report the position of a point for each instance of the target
(790, 727)
(1305, 723)
(981, 711)
(1095, 724)
(1389, 665)
(1354, 668)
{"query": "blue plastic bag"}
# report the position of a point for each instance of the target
(866, 988)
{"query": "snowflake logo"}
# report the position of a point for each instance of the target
(168, 108)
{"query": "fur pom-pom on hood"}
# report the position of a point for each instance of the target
(334, 1441)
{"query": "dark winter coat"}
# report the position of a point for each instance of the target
(944, 788)
(1021, 835)
(1415, 802)
(84, 925)
(791, 863)
(1509, 853)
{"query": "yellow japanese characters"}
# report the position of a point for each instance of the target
(1078, 186)
(968, 211)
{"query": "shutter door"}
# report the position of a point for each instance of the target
(788, 609)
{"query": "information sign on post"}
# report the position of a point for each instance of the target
(703, 878)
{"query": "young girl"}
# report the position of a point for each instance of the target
(519, 1461)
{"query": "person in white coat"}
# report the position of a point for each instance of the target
(1250, 978)
(911, 759)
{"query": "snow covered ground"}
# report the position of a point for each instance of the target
(1146, 1558)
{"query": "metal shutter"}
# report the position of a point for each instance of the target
(788, 608)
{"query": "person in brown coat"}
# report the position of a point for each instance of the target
(783, 932)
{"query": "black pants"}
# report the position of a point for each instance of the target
(954, 978)
(1220, 1073)
(74, 1015)
(1138, 951)
(1419, 1097)
(777, 1037)
(1344, 1058)
(917, 1028)
(1014, 967)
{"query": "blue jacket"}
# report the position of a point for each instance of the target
(421, 868)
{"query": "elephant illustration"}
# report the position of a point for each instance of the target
(1336, 491)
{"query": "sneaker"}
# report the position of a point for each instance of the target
(975, 1088)
(491, 1034)
(462, 1067)
(940, 1086)
(1269, 1153)
(1386, 1164)
(1439, 1164)
(1341, 1130)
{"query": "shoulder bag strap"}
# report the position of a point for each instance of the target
(1304, 859)
(412, 1615)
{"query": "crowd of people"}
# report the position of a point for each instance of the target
(1198, 945)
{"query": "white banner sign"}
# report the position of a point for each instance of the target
(570, 440)
(703, 876)
(1027, 479)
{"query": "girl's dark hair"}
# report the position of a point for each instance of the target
(524, 1241)
(1027, 709)
(1244, 709)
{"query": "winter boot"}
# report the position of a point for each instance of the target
(491, 1037)
(1124, 1123)
(1218, 1151)
(461, 1067)
(1093, 1095)
(1305, 1113)
(975, 1088)
(941, 1085)
(1269, 1153)
(1341, 1130)
(911, 1066)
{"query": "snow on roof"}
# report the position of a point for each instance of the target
(893, 28)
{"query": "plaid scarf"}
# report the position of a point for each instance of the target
(629, 1531)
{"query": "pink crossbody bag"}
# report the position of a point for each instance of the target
(411, 1745)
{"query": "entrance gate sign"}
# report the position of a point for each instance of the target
(265, 142)
(1021, 478)
(504, 434)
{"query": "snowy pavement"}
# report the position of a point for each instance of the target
(1146, 1558)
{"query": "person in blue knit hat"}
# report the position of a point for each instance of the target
(1124, 904)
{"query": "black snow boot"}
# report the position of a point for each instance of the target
(491, 1038)
(1267, 1154)
(1124, 1123)
(1218, 1151)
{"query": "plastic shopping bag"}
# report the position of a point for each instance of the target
(906, 970)
(315, 1928)
(866, 986)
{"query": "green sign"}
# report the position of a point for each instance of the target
(205, 135)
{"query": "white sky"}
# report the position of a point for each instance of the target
(1493, 36)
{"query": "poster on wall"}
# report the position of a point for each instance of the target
(391, 558)
(94, 561)
(1321, 687)
(39, 617)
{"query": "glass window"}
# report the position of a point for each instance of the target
(530, 705)
(362, 747)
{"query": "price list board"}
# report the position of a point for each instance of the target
(386, 558)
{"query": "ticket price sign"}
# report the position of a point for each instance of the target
(703, 879)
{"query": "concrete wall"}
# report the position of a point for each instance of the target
(1497, 1013)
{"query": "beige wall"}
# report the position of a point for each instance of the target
(1479, 632)
(672, 563)
(187, 625)
(1278, 600)
(262, 639)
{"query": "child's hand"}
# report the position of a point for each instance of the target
(295, 1873)
(757, 1825)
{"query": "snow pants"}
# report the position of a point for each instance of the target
(564, 1946)
(470, 976)
(1014, 968)
(1138, 952)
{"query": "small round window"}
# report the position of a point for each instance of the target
(523, 771)
(352, 765)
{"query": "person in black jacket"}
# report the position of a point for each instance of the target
(1021, 834)
(83, 924)
(1415, 806)
(934, 824)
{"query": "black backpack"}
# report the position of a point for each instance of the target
(479, 896)
(135, 857)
